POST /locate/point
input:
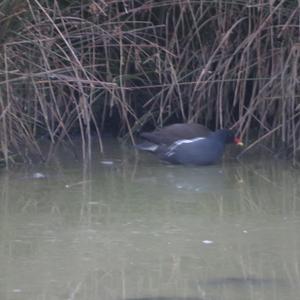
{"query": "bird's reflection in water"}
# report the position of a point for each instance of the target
(165, 298)
(230, 282)
(190, 179)
(244, 282)
(194, 179)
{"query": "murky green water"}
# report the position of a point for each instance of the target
(134, 228)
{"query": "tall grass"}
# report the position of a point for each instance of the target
(86, 65)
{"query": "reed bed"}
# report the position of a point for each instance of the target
(119, 65)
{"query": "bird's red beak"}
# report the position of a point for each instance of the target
(238, 141)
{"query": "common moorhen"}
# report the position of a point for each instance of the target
(170, 134)
(198, 151)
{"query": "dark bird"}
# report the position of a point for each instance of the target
(197, 151)
(170, 134)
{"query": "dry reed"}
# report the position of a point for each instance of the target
(83, 65)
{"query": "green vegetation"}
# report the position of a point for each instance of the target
(84, 65)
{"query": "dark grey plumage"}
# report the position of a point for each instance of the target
(170, 134)
(198, 151)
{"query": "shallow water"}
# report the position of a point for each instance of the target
(131, 227)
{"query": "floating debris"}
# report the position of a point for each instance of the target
(38, 175)
(107, 162)
(77, 183)
(207, 242)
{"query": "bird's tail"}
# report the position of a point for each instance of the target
(147, 146)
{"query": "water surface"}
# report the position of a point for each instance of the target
(131, 227)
